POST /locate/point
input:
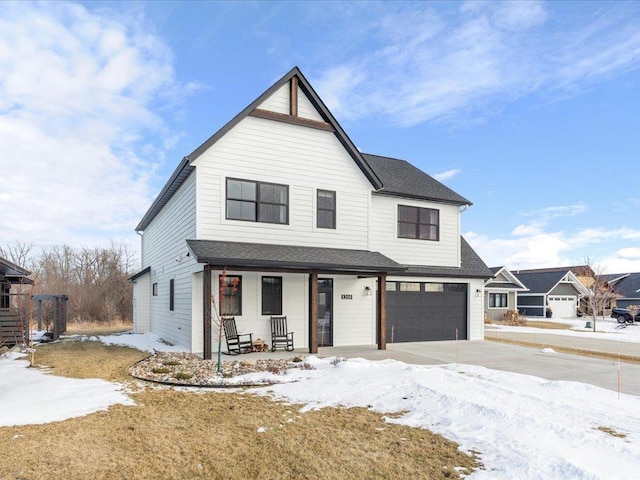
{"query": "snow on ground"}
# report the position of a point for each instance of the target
(147, 342)
(28, 395)
(524, 427)
(607, 329)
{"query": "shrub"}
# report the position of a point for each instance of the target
(183, 376)
(513, 317)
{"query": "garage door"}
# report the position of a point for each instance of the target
(563, 306)
(419, 311)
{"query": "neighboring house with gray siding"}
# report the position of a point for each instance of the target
(354, 249)
(501, 293)
(558, 289)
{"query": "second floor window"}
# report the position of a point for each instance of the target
(326, 209)
(419, 223)
(257, 201)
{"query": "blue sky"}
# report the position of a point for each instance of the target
(528, 109)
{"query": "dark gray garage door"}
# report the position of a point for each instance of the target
(419, 311)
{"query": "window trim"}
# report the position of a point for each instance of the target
(495, 294)
(262, 292)
(238, 294)
(256, 202)
(334, 211)
(418, 223)
(172, 294)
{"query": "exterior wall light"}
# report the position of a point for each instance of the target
(367, 291)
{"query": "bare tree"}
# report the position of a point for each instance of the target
(600, 292)
(18, 253)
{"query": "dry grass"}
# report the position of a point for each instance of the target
(612, 432)
(97, 328)
(548, 325)
(173, 434)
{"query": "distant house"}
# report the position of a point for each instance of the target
(626, 287)
(13, 327)
(556, 288)
(282, 213)
(501, 293)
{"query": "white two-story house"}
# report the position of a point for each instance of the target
(282, 208)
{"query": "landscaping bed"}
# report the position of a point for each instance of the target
(179, 368)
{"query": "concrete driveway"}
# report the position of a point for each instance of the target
(513, 358)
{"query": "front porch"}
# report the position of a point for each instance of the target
(360, 274)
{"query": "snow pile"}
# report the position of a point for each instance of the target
(524, 427)
(29, 396)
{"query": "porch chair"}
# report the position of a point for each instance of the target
(280, 337)
(236, 343)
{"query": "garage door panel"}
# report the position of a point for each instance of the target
(427, 316)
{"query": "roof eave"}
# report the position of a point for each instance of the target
(421, 197)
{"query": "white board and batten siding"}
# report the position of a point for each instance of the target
(409, 251)
(165, 251)
(303, 158)
(142, 304)
(279, 102)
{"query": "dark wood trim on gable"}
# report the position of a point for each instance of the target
(293, 97)
(281, 117)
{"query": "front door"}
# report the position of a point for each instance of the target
(325, 312)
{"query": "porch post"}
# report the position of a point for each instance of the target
(382, 312)
(206, 312)
(313, 313)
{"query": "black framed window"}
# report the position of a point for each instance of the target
(326, 211)
(271, 295)
(171, 294)
(154, 289)
(418, 223)
(498, 300)
(230, 294)
(257, 201)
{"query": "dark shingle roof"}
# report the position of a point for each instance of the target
(243, 254)
(13, 272)
(628, 286)
(472, 266)
(575, 269)
(507, 285)
(399, 177)
(540, 282)
(141, 273)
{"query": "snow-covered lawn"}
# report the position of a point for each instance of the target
(606, 329)
(524, 427)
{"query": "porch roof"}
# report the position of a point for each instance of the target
(288, 257)
(13, 273)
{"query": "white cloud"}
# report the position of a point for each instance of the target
(442, 176)
(530, 246)
(424, 65)
(77, 96)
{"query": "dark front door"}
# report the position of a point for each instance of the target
(325, 312)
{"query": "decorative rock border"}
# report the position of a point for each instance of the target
(189, 370)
